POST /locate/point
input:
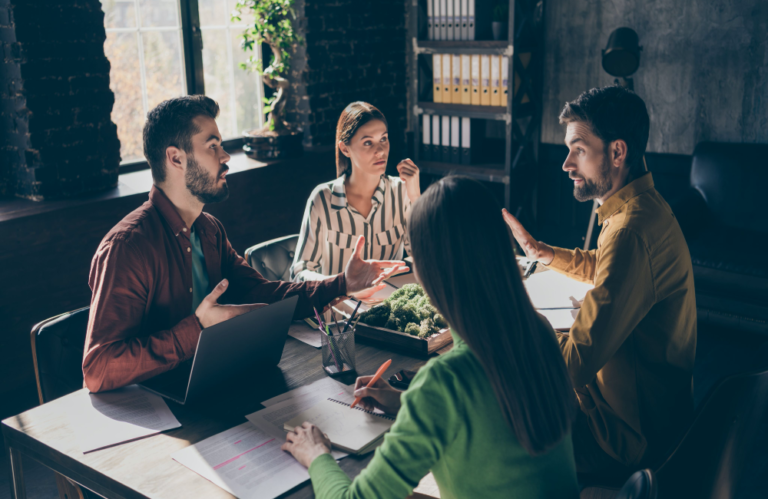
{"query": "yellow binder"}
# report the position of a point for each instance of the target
(475, 82)
(504, 81)
(456, 79)
(447, 78)
(437, 77)
(485, 80)
(465, 96)
(495, 82)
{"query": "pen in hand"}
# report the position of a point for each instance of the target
(373, 381)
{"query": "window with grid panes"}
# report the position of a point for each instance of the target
(151, 63)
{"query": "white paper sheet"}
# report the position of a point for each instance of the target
(298, 401)
(302, 332)
(119, 416)
(246, 461)
(552, 290)
(560, 318)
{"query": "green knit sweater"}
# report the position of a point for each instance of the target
(450, 423)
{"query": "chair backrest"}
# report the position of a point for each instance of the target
(731, 178)
(709, 460)
(641, 485)
(57, 351)
(273, 259)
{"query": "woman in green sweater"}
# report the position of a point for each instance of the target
(491, 418)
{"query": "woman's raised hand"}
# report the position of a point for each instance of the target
(409, 173)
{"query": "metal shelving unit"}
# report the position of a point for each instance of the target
(522, 114)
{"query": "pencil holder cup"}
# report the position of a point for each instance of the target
(338, 352)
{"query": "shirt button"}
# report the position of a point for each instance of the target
(184, 229)
(189, 250)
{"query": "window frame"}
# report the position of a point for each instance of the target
(192, 59)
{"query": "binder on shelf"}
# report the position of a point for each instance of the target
(430, 21)
(445, 139)
(455, 140)
(504, 80)
(464, 20)
(435, 147)
(457, 19)
(485, 80)
(442, 19)
(471, 20)
(447, 78)
(466, 143)
(426, 138)
(475, 80)
(495, 83)
(455, 79)
(449, 20)
(466, 98)
(437, 78)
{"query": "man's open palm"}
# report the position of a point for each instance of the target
(365, 277)
(534, 250)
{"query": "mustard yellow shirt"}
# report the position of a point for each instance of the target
(630, 352)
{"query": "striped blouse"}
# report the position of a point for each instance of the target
(331, 227)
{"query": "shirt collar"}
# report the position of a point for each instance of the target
(339, 193)
(620, 198)
(169, 213)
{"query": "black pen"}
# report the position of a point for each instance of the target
(530, 270)
(349, 321)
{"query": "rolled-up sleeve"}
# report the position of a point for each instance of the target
(576, 264)
(623, 294)
(117, 353)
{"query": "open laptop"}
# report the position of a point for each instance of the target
(247, 342)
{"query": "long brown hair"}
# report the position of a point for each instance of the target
(462, 252)
(352, 118)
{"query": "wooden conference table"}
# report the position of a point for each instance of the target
(144, 468)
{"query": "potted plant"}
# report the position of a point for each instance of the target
(273, 25)
(500, 21)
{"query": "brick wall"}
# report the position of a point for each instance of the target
(355, 50)
(56, 85)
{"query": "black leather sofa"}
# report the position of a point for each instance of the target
(724, 216)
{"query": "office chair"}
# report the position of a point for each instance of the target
(57, 355)
(273, 259)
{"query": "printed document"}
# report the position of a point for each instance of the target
(246, 461)
(560, 318)
(302, 332)
(119, 416)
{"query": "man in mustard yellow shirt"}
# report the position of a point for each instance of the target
(630, 352)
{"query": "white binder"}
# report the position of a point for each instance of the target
(464, 20)
(466, 144)
(504, 80)
(445, 142)
(457, 19)
(426, 138)
(466, 97)
(435, 156)
(430, 21)
(442, 19)
(471, 20)
(437, 78)
(449, 20)
(455, 140)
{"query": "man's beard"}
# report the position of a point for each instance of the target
(591, 189)
(202, 185)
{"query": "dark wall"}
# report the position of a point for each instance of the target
(703, 69)
(56, 103)
(354, 50)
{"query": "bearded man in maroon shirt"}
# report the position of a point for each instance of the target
(158, 275)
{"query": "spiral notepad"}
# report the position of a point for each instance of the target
(352, 430)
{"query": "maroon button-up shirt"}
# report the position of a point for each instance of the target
(141, 322)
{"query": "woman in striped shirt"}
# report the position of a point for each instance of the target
(361, 201)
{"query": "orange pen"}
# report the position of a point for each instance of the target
(373, 381)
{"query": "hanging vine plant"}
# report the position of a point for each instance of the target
(273, 25)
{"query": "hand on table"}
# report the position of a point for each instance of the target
(409, 173)
(380, 396)
(365, 277)
(534, 250)
(210, 312)
(306, 442)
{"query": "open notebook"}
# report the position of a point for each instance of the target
(356, 431)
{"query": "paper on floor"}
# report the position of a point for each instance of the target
(552, 290)
(246, 461)
(122, 415)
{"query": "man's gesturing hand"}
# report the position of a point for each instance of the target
(364, 274)
(534, 250)
(209, 312)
